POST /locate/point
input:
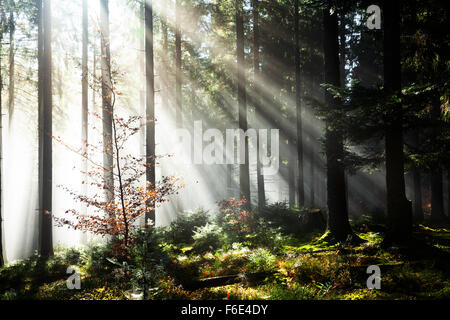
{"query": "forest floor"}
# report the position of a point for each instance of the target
(299, 268)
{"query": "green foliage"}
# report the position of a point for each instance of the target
(280, 216)
(235, 219)
(261, 260)
(208, 238)
(182, 229)
(146, 264)
(303, 270)
(94, 258)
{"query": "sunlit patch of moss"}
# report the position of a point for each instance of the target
(363, 294)
(102, 293)
(318, 243)
(292, 291)
(442, 247)
(239, 292)
(371, 237)
(438, 231)
(433, 235)
(312, 269)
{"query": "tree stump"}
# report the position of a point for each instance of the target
(312, 220)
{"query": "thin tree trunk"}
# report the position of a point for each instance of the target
(291, 176)
(312, 154)
(94, 71)
(298, 97)
(418, 211)
(437, 196)
(84, 105)
(11, 62)
(107, 112)
(1, 140)
(398, 207)
(448, 192)
(150, 108)
(312, 175)
(437, 190)
(142, 80)
(40, 110)
(178, 89)
(179, 75)
(257, 101)
(84, 86)
(45, 163)
(166, 69)
(244, 177)
(338, 223)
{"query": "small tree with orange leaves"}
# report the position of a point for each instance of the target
(132, 197)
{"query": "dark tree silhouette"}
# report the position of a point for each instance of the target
(150, 106)
(45, 129)
(398, 207)
(244, 177)
(338, 223)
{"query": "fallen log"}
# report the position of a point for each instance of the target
(246, 278)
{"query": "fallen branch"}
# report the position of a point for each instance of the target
(246, 278)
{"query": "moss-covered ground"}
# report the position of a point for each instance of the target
(304, 267)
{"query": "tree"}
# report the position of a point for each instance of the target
(437, 192)
(179, 80)
(1, 137)
(257, 100)
(244, 177)
(84, 92)
(133, 196)
(106, 100)
(300, 187)
(12, 29)
(150, 106)
(338, 223)
(45, 128)
(418, 211)
(398, 207)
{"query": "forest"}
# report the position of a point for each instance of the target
(224, 150)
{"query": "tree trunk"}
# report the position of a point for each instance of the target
(312, 183)
(437, 192)
(178, 89)
(291, 176)
(142, 81)
(166, 70)
(300, 183)
(84, 86)
(11, 63)
(257, 100)
(437, 196)
(244, 177)
(107, 112)
(1, 141)
(94, 71)
(311, 149)
(448, 192)
(338, 223)
(45, 130)
(84, 107)
(418, 211)
(150, 108)
(398, 207)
